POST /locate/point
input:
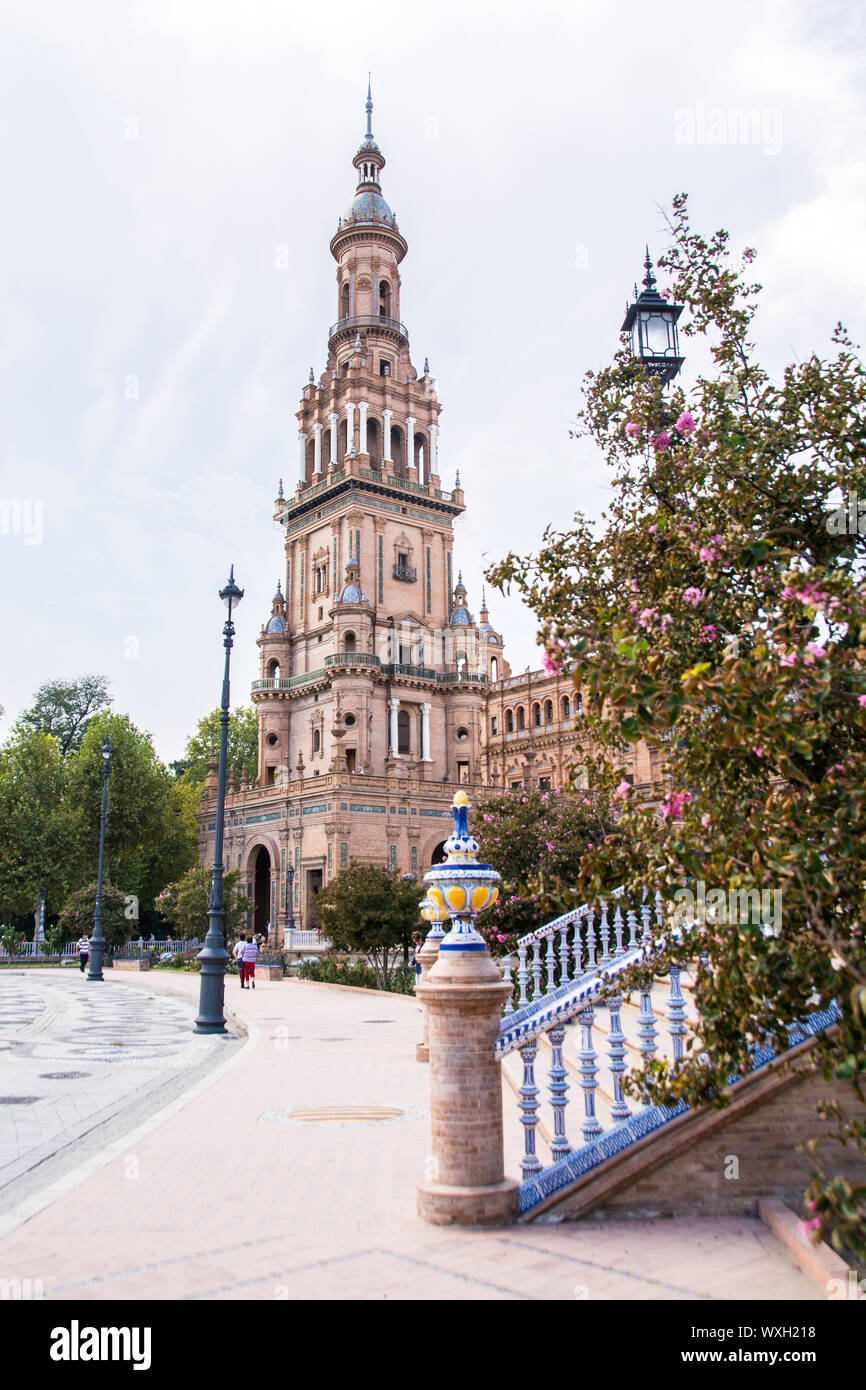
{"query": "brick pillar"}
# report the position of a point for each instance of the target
(463, 994)
(427, 958)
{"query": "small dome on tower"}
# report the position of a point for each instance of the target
(460, 616)
(352, 591)
(277, 620)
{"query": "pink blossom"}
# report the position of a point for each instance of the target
(815, 649)
(672, 806)
(665, 294)
(789, 659)
(861, 700)
(686, 423)
(717, 540)
(624, 790)
(693, 596)
(708, 554)
(708, 633)
(757, 750)
(807, 1227)
(551, 667)
(706, 819)
(653, 530)
(666, 622)
(811, 1205)
(550, 846)
(661, 441)
(632, 429)
(647, 617)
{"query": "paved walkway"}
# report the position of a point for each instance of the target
(226, 1193)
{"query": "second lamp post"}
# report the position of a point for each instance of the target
(213, 955)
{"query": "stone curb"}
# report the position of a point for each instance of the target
(820, 1262)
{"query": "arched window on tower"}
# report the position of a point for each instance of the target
(384, 299)
(494, 669)
(317, 740)
(273, 670)
(566, 707)
(536, 715)
(403, 734)
(548, 712)
(374, 440)
(509, 721)
(521, 718)
(344, 301)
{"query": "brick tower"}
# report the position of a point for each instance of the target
(374, 673)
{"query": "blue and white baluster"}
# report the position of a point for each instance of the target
(551, 964)
(605, 935)
(536, 969)
(563, 955)
(632, 928)
(590, 942)
(578, 951)
(660, 912)
(528, 1105)
(559, 1145)
(522, 976)
(676, 1012)
(619, 949)
(646, 1027)
(506, 976)
(646, 929)
(616, 1051)
(590, 1128)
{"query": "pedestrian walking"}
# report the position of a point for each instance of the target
(251, 950)
(238, 953)
(83, 952)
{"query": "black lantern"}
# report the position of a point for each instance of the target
(652, 323)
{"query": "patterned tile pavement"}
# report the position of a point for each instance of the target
(223, 1196)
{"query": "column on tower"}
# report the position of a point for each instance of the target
(410, 441)
(317, 455)
(302, 456)
(393, 706)
(363, 407)
(386, 436)
(333, 419)
(434, 449)
(425, 733)
(350, 427)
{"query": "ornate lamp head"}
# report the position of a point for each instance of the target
(461, 887)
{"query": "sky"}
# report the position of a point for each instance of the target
(173, 171)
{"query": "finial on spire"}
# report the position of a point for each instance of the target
(457, 479)
(279, 589)
(649, 280)
(368, 106)
(312, 378)
(280, 490)
(426, 366)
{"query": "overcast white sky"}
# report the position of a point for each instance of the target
(155, 154)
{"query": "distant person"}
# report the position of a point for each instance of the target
(83, 952)
(251, 950)
(238, 953)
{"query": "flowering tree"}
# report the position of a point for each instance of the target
(535, 840)
(720, 614)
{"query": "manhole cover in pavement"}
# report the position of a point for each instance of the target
(338, 1114)
(62, 1075)
(19, 1100)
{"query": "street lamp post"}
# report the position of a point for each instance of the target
(213, 955)
(290, 874)
(97, 940)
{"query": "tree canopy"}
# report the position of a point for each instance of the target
(373, 911)
(719, 612)
(184, 904)
(242, 750)
(65, 708)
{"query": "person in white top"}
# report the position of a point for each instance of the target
(83, 951)
(238, 953)
(251, 950)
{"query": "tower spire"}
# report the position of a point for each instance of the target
(649, 280)
(368, 106)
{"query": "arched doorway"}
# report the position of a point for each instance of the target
(262, 892)
(438, 856)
